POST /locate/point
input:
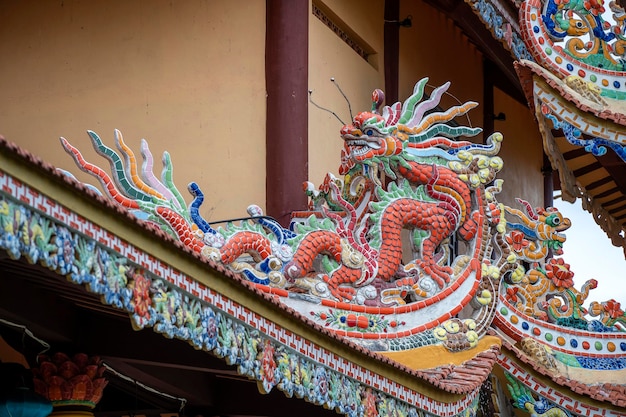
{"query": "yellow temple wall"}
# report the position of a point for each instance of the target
(522, 152)
(330, 57)
(434, 47)
(188, 76)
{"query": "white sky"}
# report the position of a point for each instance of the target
(590, 254)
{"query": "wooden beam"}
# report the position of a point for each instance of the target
(392, 50)
(619, 199)
(607, 193)
(587, 169)
(575, 153)
(617, 209)
(505, 78)
(286, 80)
(598, 183)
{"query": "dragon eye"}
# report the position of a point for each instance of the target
(553, 220)
(579, 25)
(369, 132)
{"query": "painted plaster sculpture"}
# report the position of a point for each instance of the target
(502, 24)
(525, 399)
(77, 381)
(341, 262)
(576, 85)
(151, 301)
(541, 314)
(574, 41)
(344, 263)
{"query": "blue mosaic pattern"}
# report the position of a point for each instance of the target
(494, 21)
(595, 146)
(598, 326)
(612, 364)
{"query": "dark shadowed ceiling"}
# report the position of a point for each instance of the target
(72, 320)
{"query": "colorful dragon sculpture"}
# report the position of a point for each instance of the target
(573, 19)
(414, 222)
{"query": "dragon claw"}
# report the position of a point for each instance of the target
(338, 291)
(441, 274)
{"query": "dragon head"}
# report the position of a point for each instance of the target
(553, 218)
(365, 138)
(375, 136)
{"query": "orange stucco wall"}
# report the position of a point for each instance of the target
(186, 75)
(189, 77)
(522, 152)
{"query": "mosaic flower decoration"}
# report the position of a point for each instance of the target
(370, 404)
(559, 273)
(511, 294)
(141, 296)
(610, 313)
(595, 7)
(517, 241)
(612, 307)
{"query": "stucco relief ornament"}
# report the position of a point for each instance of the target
(70, 382)
(545, 289)
(413, 226)
(524, 398)
(541, 309)
(573, 40)
(171, 311)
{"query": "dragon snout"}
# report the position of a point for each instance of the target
(347, 129)
(565, 224)
(352, 133)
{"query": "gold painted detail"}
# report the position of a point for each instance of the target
(433, 356)
(539, 352)
(588, 90)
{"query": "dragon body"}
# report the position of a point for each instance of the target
(537, 231)
(438, 213)
(413, 220)
(386, 234)
(420, 182)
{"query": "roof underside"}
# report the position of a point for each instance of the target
(598, 180)
(602, 177)
(71, 319)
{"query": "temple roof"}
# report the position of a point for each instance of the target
(598, 180)
(576, 89)
(460, 376)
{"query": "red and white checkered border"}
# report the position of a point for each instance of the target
(555, 396)
(304, 347)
